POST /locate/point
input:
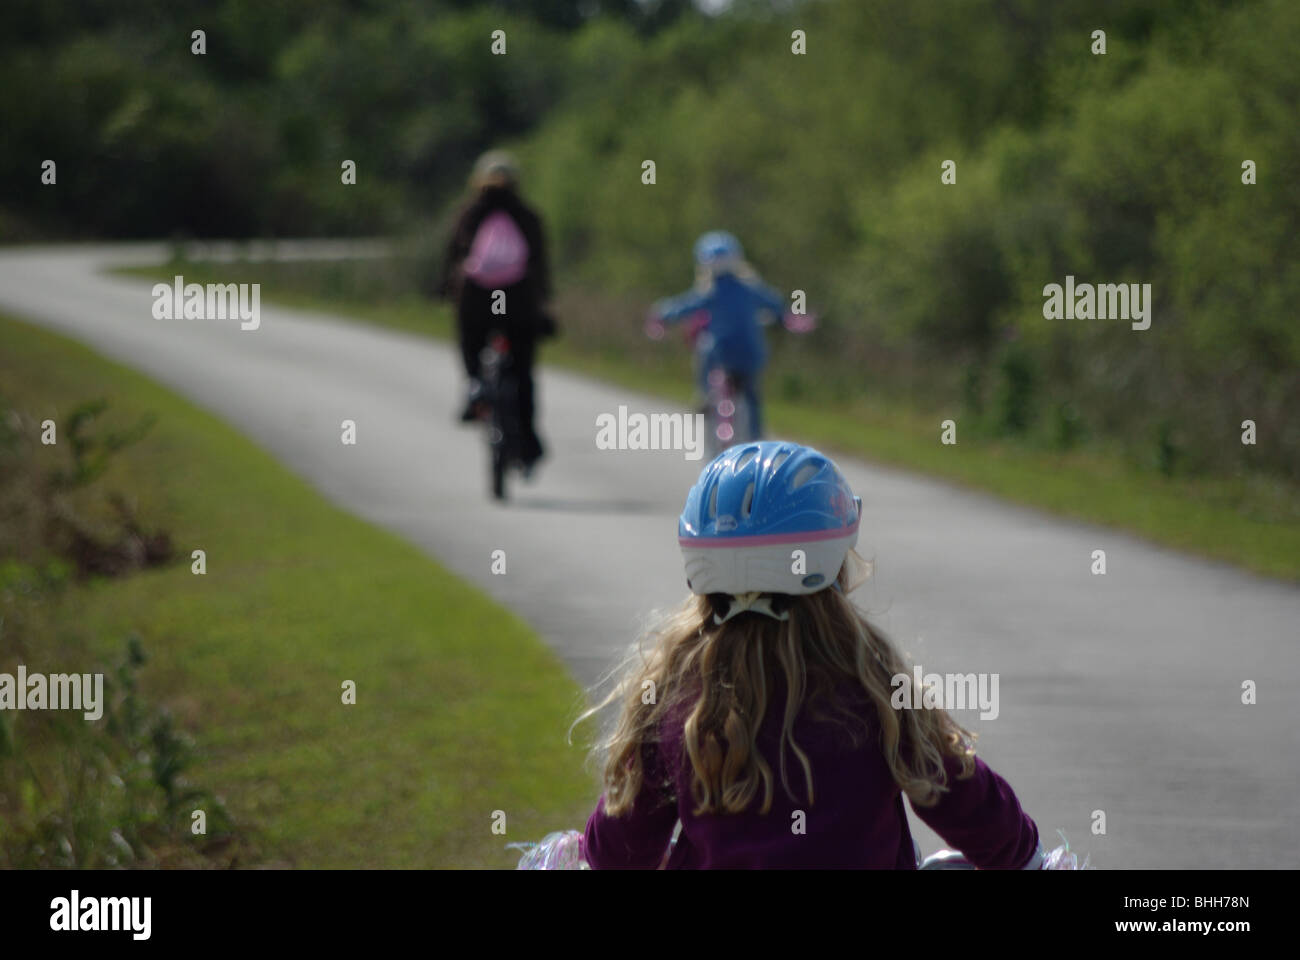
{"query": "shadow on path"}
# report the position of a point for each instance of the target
(590, 506)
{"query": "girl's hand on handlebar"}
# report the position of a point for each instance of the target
(799, 322)
(654, 326)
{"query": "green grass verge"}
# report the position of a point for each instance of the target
(461, 710)
(1250, 521)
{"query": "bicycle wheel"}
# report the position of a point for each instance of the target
(742, 417)
(506, 430)
(498, 473)
(509, 421)
(718, 430)
(498, 452)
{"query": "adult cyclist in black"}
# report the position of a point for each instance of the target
(495, 187)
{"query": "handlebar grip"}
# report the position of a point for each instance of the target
(799, 322)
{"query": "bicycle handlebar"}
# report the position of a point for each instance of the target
(656, 329)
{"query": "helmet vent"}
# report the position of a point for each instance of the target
(713, 503)
(806, 473)
(745, 458)
(779, 459)
(748, 502)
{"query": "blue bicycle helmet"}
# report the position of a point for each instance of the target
(716, 247)
(753, 507)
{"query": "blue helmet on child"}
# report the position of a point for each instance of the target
(769, 517)
(717, 246)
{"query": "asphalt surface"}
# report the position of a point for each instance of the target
(1118, 693)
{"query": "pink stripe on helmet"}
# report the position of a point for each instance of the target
(769, 539)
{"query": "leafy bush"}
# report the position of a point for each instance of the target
(77, 793)
(112, 793)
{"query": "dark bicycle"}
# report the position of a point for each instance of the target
(496, 400)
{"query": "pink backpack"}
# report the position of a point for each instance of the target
(498, 257)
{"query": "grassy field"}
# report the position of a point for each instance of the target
(460, 709)
(1249, 520)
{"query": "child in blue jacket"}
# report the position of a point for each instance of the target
(735, 299)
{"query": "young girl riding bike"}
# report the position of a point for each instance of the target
(730, 292)
(756, 723)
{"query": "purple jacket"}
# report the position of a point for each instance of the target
(857, 822)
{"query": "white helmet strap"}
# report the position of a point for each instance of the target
(755, 601)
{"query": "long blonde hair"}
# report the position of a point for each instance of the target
(707, 274)
(721, 676)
